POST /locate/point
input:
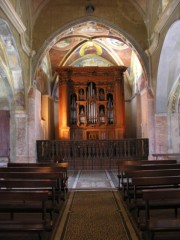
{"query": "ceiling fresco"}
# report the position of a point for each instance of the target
(92, 44)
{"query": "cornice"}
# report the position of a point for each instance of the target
(160, 24)
(8, 9)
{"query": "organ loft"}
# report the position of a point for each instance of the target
(91, 103)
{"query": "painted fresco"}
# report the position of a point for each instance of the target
(91, 61)
(136, 77)
(2, 53)
(95, 44)
(43, 76)
(11, 63)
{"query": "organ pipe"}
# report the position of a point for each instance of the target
(100, 91)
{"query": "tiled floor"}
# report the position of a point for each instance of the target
(92, 179)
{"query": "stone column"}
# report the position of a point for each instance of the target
(151, 123)
(36, 125)
(161, 133)
(21, 120)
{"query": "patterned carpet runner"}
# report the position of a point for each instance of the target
(95, 215)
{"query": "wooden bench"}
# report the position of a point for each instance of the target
(146, 173)
(155, 182)
(124, 167)
(159, 223)
(41, 169)
(121, 163)
(153, 173)
(59, 177)
(142, 183)
(127, 169)
(28, 224)
(27, 185)
(63, 166)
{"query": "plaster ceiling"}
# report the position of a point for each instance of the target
(37, 5)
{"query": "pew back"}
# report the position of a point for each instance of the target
(166, 223)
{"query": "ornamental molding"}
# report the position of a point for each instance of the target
(8, 9)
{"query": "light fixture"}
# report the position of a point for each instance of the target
(90, 8)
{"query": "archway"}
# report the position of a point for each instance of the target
(11, 85)
(167, 101)
(93, 38)
(74, 38)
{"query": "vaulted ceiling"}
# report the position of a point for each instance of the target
(90, 44)
(87, 43)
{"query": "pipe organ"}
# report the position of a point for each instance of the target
(91, 103)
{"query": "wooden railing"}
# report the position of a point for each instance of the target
(92, 154)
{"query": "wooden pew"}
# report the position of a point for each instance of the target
(126, 169)
(28, 224)
(148, 165)
(63, 166)
(146, 173)
(59, 177)
(121, 163)
(30, 175)
(155, 182)
(27, 185)
(41, 169)
(153, 173)
(143, 162)
(156, 223)
(158, 183)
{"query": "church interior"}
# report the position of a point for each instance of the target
(89, 84)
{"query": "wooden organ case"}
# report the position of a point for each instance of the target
(91, 103)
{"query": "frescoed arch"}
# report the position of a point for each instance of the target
(10, 65)
(58, 40)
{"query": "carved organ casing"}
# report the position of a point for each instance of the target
(91, 103)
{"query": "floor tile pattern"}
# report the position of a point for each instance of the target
(92, 179)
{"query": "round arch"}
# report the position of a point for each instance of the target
(168, 69)
(11, 82)
(56, 36)
(11, 60)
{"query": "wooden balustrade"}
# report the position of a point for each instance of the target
(92, 154)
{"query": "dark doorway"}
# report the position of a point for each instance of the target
(4, 133)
